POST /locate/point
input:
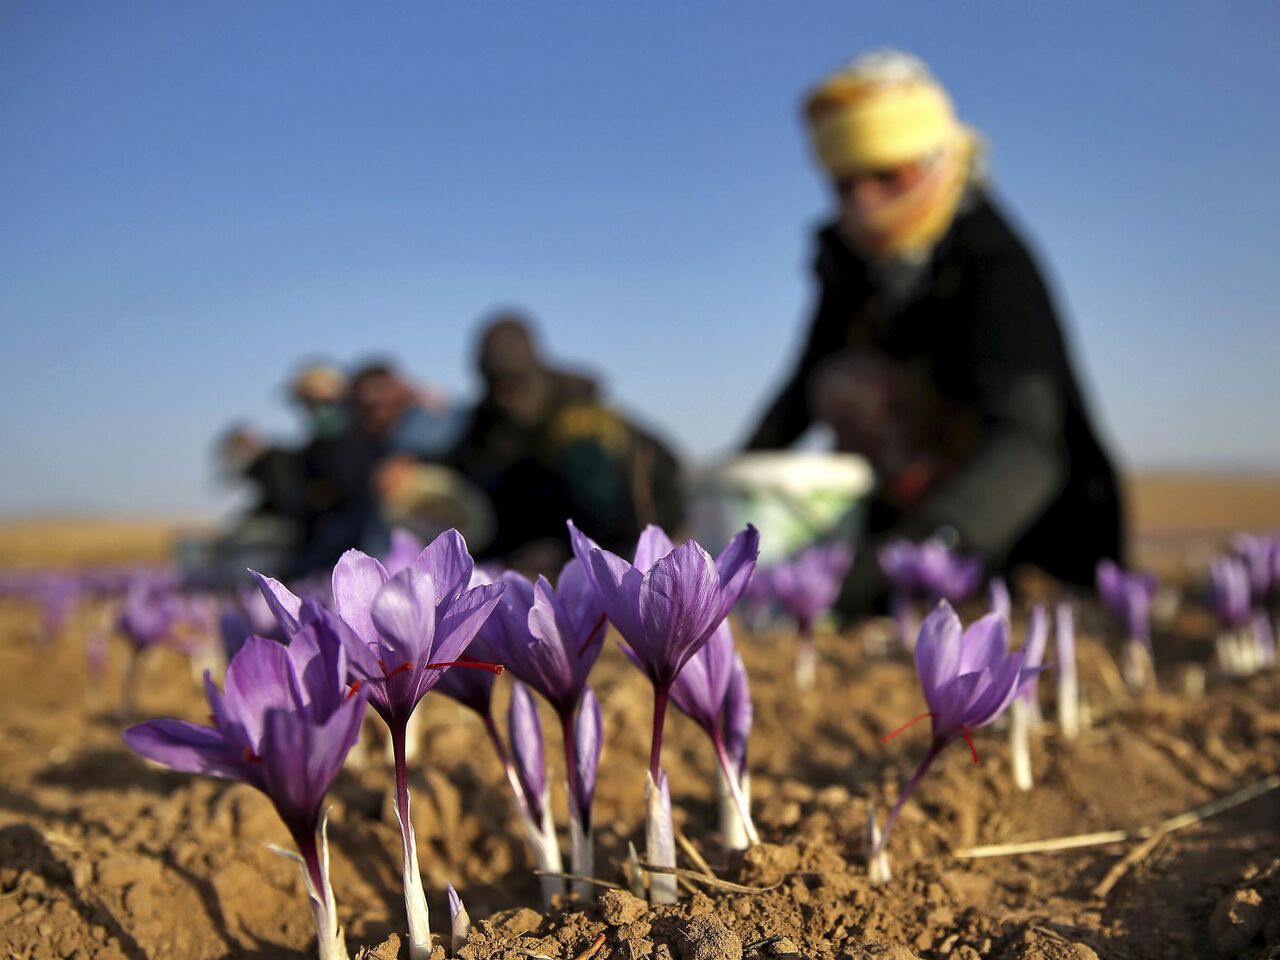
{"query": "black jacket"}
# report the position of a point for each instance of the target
(978, 323)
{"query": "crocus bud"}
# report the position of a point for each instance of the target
(460, 922)
(588, 737)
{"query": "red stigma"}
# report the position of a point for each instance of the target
(592, 635)
(250, 756)
(910, 723)
(388, 674)
(494, 668)
(355, 688)
(968, 738)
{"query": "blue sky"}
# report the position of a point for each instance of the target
(193, 196)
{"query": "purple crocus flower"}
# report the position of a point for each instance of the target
(284, 725)
(149, 617)
(1261, 554)
(666, 606)
(969, 678)
(738, 716)
(998, 599)
(700, 692)
(1230, 589)
(931, 570)
(668, 603)
(806, 585)
(400, 633)
(1128, 595)
(405, 548)
(525, 733)
(923, 574)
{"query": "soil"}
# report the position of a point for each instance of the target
(105, 856)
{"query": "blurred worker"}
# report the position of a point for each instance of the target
(335, 469)
(935, 349)
(545, 448)
(268, 531)
(272, 473)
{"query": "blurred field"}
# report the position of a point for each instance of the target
(1179, 520)
(1176, 519)
(72, 541)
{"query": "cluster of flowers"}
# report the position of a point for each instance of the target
(290, 712)
(1242, 585)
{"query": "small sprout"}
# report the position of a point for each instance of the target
(877, 856)
(1025, 710)
(525, 732)
(1068, 685)
(459, 922)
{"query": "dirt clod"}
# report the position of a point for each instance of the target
(707, 938)
(1236, 920)
(618, 907)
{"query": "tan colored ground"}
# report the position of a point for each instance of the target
(102, 856)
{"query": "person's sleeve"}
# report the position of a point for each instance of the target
(1020, 462)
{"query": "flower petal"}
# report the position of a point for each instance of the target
(357, 578)
(984, 643)
(680, 604)
(654, 544)
(284, 603)
(449, 563)
(404, 614)
(189, 747)
(937, 652)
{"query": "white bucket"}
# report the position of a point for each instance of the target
(793, 498)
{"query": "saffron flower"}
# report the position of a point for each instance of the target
(400, 633)
(666, 605)
(1261, 554)
(1245, 643)
(150, 616)
(284, 725)
(969, 678)
(525, 732)
(1128, 596)
(806, 586)
(701, 693)
(925, 573)
(549, 639)
(736, 718)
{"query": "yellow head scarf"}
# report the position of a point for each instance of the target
(886, 110)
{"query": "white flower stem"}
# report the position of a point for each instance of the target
(733, 831)
(582, 856)
(415, 898)
(545, 848)
(1020, 743)
(729, 779)
(660, 840)
(806, 659)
